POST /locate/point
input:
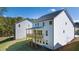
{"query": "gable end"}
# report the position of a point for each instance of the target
(70, 18)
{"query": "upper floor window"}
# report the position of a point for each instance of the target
(38, 24)
(63, 31)
(43, 23)
(35, 24)
(46, 33)
(65, 23)
(50, 22)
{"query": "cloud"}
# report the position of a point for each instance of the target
(53, 10)
(76, 20)
(4, 15)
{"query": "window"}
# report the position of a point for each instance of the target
(35, 25)
(19, 25)
(63, 31)
(43, 42)
(65, 23)
(43, 24)
(38, 24)
(46, 42)
(46, 33)
(50, 22)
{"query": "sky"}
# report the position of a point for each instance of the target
(36, 12)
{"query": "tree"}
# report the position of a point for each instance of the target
(7, 24)
(2, 19)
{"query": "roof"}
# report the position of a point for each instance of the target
(50, 15)
(70, 18)
(34, 28)
(54, 14)
(25, 20)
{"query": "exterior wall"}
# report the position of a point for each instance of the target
(48, 38)
(63, 30)
(36, 24)
(20, 32)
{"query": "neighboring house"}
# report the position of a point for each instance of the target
(76, 24)
(52, 30)
(20, 29)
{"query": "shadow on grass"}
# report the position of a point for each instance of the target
(23, 46)
(6, 40)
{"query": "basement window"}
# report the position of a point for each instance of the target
(46, 33)
(46, 43)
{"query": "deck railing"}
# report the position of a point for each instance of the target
(34, 36)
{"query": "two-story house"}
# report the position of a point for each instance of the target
(52, 30)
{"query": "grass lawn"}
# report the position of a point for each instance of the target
(23, 46)
(18, 45)
(6, 43)
(70, 47)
